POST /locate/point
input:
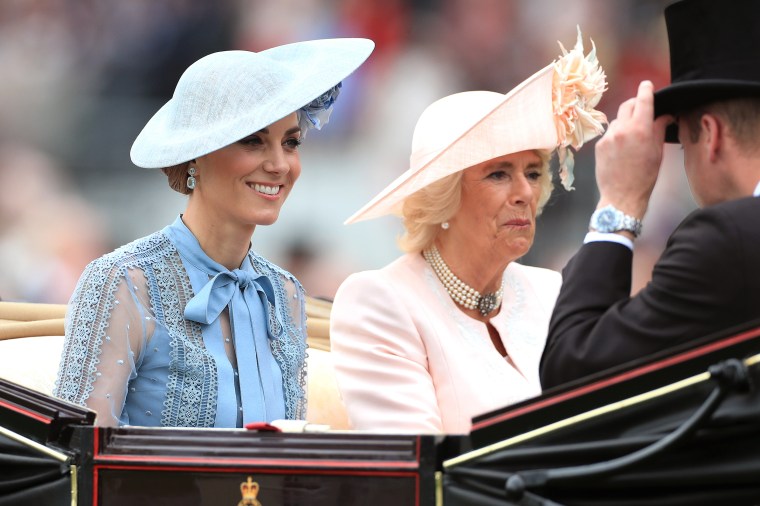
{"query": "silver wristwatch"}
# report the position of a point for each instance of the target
(611, 219)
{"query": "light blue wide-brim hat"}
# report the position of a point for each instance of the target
(226, 96)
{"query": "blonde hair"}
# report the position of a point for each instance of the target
(425, 210)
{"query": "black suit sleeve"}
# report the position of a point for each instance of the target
(695, 290)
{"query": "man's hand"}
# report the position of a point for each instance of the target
(629, 154)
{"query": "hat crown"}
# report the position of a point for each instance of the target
(713, 55)
(214, 90)
(710, 39)
(446, 119)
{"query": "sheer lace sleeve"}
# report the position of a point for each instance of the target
(289, 349)
(296, 304)
(107, 326)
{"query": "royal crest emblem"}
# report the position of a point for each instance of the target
(249, 490)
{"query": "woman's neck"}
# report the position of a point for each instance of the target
(478, 269)
(224, 242)
(481, 306)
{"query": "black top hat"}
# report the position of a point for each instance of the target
(714, 54)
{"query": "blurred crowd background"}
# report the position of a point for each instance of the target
(81, 78)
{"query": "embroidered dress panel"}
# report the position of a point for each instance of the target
(132, 355)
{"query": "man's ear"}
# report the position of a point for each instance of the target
(714, 131)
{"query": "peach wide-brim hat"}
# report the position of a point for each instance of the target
(552, 109)
(228, 95)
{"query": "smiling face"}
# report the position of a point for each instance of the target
(247, 182)
(498, 206)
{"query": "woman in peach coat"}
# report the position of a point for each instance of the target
(456, 327)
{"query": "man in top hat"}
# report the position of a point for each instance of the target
(708, 278)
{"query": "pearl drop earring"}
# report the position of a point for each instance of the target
(445, 225)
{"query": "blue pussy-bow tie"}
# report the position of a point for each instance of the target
(236, 287)
(247, 296)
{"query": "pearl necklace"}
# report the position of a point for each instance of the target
(461, 292)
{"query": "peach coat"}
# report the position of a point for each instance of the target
(407, 359)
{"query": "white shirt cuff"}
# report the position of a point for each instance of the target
(601, 237)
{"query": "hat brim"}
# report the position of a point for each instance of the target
(315, 66)
(494, 134)
(686, 95)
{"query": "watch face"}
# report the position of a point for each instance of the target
(606, 220)
(609, 219)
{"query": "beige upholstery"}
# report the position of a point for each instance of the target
(20, 319)
(31, 338)
(325, 404)
(32, 361)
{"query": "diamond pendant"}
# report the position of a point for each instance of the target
(487, 303)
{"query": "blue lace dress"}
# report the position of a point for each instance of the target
(159, 334)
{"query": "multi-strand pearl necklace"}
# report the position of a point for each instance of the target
(463, 294)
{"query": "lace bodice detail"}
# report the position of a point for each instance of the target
(132, 356)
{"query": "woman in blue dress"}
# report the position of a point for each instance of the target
(189, 326)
